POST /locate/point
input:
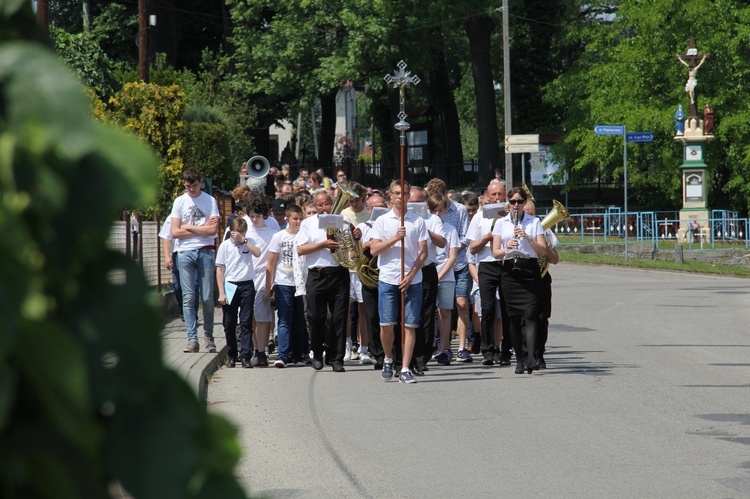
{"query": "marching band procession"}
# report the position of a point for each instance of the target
(327, 273)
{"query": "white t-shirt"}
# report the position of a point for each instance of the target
(270, 222)
(310, 233)
(389, 262)
(434, 224)
(478, 227)
(236, 260)
(194, 211)
(284, 244)
(550, 238)
(261, 237)
(166, 233)
(451, 236)
(530, 225)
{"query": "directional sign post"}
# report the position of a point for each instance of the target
(640, 137)
(619, 130)
(521, 148)
(521, 139)
(609, 129)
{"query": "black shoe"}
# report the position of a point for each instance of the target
(519, 367)
(231, 362)
(476, 347)
(534, 366)
(416, 369)
(338, 367)
(246, 363)
(424, 366)
(262, 359)
(487, 361)
(317, 364)
(271, 346)
(542, 364)
(378, 365)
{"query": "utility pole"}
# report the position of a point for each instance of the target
(506, 95)
(143, 40)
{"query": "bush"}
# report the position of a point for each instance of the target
(154, 113)
(85, 400)
(207, 149)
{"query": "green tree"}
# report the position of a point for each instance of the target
(85, 401)
(626, 73)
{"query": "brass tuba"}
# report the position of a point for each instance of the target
(557, 215)
(368, 271)
(349, 254)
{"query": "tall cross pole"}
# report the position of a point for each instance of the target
(401, 79)
(693, 61)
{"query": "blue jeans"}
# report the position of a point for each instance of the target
(176, 282)
(291, 329)
(389, 304)
(197, 265)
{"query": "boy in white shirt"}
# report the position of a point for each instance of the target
(280, 281)
(387, 237)
(261, 235)
(234, 275)
(446, 259)
(195, 224)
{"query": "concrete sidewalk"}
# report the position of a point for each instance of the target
(196, 368)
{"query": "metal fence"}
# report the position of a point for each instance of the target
(662, 229)
(139, 238)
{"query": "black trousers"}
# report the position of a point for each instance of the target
(489, 285)
(372, 322)
(328, 291)
(244, 301)
(425, 333)
(545, 311)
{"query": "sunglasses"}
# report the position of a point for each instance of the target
(517, 201)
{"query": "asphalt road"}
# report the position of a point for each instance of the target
(647, 394)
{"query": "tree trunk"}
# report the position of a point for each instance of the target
(442, 98)
(478, 30)
(42, 14)
(327, 128)
(86, 15)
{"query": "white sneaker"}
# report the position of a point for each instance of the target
(364, 358)
(355, 353)
(347, 355)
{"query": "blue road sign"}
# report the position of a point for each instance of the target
(640, 137)
(609, 129)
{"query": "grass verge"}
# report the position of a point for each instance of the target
(697, 267)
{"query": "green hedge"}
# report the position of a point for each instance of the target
(206, 148)
(85, 400)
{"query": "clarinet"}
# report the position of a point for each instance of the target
(514, 216)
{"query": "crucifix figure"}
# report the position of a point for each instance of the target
(693, 61)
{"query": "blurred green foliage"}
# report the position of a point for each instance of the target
(85, 401)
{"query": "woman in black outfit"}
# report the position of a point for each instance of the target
(518, 240)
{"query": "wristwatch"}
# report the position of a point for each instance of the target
(245, 241)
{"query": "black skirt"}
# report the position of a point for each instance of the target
(520, 287)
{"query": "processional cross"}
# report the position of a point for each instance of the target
(693, 61)
(402, 79)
